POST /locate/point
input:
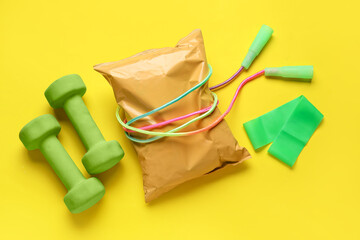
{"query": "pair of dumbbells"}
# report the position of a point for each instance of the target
(41, 132)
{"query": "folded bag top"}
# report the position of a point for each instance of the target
(150, 79)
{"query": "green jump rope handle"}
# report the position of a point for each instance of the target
(258, 44)
(305, 73)
(67, 92)
(41, 134)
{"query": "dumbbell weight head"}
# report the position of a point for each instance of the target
(102, 157)
(84, 195)
(37, 130)
(83, 192)
(63, 88)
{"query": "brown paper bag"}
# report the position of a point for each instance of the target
(154, 77)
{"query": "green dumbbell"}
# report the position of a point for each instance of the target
(41, 134)
(67, 92)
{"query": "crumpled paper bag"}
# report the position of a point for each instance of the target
(150, 79)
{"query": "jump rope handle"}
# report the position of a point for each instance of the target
(303, 73)
(257, 45)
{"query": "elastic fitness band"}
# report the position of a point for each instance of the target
(289, 127)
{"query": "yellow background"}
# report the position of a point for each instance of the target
(318, 198)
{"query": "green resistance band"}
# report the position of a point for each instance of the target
(165, 134)
(289, 127)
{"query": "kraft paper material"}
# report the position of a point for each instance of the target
(150, 79)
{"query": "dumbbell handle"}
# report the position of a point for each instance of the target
(82, 121)
(61, 162)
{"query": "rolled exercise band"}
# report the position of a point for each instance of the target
(289, 127)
